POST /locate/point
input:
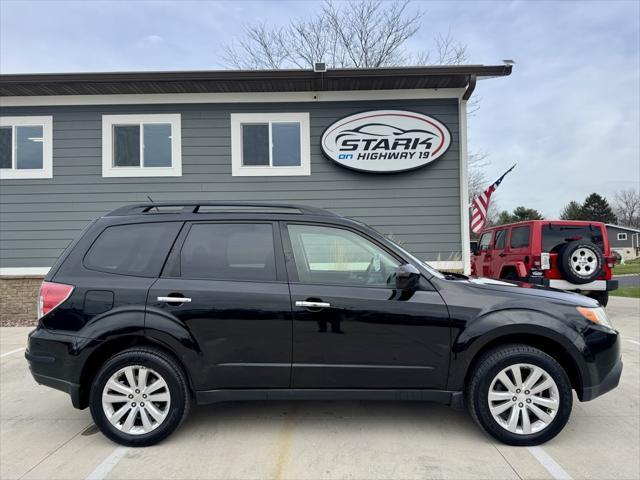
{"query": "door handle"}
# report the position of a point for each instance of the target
(312, 304)
(503, 255)
(174, 299)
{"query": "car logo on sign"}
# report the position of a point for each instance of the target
(385, 141)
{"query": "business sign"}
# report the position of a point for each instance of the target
(385, 141)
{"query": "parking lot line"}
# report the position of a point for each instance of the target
(549, 463)
(12, 351)
(108, 463)
(632, 341)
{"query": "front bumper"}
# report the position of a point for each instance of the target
(608, 383)
(601, 365)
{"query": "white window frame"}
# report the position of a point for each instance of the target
(108, 168)
(622, 237)
(239, 170)
(47, 148)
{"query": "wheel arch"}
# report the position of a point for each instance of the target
(544, 343)
(112, 346)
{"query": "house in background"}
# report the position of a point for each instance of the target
(625, 241)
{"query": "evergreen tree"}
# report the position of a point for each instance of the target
(572, 211)
(520, 214)
(596, 208)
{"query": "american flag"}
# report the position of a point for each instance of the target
(480, 205)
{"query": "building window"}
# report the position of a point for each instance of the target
(141, 145)
(622, 236)
(270, 144)
(26, 150)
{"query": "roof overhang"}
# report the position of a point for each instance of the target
(247, 81)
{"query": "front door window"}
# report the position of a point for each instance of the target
(326, 255)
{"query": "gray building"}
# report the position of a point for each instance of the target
(624, 240)
(384, 146)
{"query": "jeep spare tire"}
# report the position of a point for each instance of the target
(581, 262)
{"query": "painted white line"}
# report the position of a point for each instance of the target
(12, 351)
(632, 341)
(107, 465)
(549, 463)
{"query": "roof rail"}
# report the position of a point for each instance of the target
(216, 207)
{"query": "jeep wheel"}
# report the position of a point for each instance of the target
(139, 397)
(519, 395)
(581, 262)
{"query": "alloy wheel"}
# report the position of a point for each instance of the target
(136, 400)
(584, 261)
(523, 399)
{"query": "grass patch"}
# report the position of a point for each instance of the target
(629, 267)
(630, 292)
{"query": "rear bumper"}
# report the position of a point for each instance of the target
(51, 363)
(595, 286)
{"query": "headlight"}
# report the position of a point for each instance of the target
(595, 315)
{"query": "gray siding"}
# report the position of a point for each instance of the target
(612, 233)
(38, 218)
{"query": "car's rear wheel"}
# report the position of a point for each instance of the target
(139, 397)
(519, 395)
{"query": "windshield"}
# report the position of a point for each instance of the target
(414, 259)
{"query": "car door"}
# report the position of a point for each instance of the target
(352, 328)
(499, 252)
(229, 285)
(484, 252)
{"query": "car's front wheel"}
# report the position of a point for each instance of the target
(519, 395)
(139, 397)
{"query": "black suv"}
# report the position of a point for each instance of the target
(157, 306)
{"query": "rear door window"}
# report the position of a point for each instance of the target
(501, 236)
(138, 249)
(520, 237)
(555, 236)
(229, 251)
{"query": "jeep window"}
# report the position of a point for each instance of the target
(499, 243)
(485, 241)
(520, 237)
(336, 256)
(555, 236)
(229, 251)
(137, 249)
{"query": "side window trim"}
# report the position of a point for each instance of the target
(172, 265)
(292, 271)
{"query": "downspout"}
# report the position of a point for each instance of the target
(470, 87)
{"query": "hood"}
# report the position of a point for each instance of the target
(527, 289)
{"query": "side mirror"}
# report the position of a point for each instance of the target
(407, 277)
(474, 248)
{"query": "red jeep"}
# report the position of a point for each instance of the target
(569, 255)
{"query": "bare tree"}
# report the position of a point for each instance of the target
(360, 34)
(627, 207)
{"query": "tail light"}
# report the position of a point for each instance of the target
(51, 296)
(543, 261)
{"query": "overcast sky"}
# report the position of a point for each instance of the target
(568, 115)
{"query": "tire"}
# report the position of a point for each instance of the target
(483, 378)
(581, 262)
(511, 275)
(144, 366)
(601, 297)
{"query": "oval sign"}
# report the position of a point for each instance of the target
(385, 141)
